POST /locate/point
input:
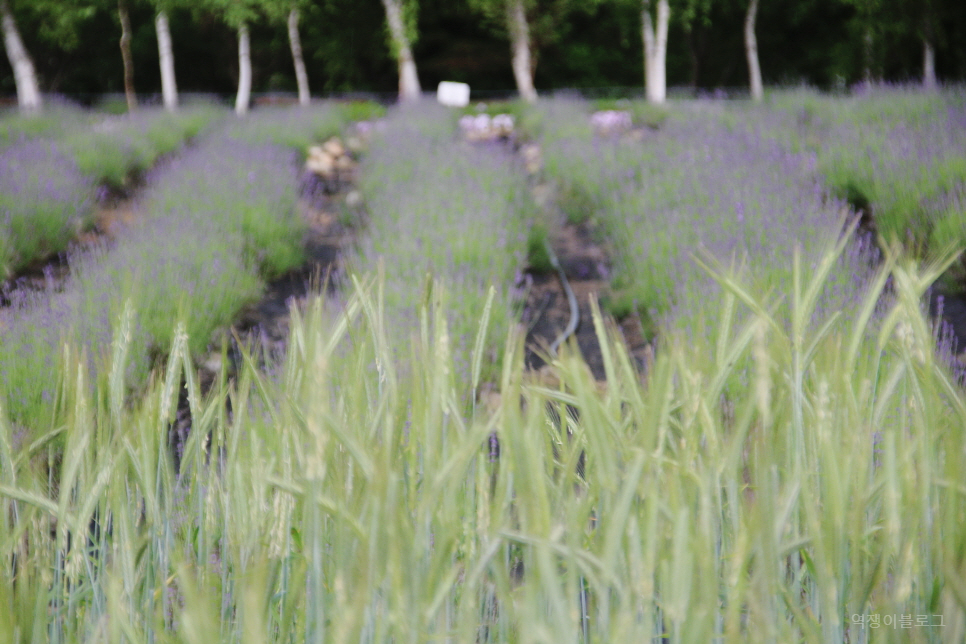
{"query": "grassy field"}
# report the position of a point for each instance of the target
(787, 468)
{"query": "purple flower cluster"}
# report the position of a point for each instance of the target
(116, 149)
(47, 187)
(213, 221)
(442, 208)
(901, 156)
(296, 128)
(57, 118)
(44, 202)
(714, 185)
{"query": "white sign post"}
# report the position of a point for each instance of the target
(453, 94)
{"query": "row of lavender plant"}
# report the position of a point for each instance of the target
(896, 153)
(44, 203)
(117, 149)
(48, 184)
(213, 224)
(299, 129)
(58, 119)
(716, 184)
(439, 207)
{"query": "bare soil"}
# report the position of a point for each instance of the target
(546, 313)
(267, 321)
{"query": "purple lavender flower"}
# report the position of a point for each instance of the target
(44, 202)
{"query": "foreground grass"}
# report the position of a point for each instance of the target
(339, 501)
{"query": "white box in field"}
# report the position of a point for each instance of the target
(453, 94)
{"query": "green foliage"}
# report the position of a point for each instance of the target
(278, 10)
(206, 240)
(236, 12)
(538, 259)
(48, 202)
(577, 200)
(157, 288)
(273, 237)
(784, 465)
(626, 299)
(589, 45)
(37, 231)
(355, 111)
(544, 17)
(62, 21)
(116, 106)
(108, 159)
(409, 14)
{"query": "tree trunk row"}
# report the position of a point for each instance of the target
(654, 35)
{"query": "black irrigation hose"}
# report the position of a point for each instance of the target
(574, 310)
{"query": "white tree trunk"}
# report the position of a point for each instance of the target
(928, 64)
(520, 49)
(126, 58)
(24, 75)
(169, 90)
(409, 89)
(751, 52)
(868, 46)
(301, 77)
(655, 50)
(244, 72)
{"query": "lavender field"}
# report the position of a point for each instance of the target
(784, 466)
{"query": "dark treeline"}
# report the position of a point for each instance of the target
(825, 43)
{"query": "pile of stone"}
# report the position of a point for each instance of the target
(332, 164)
(483, 127)
(608, 122)
(532, 158)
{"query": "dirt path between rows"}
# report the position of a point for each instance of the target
(267, 321)
(262, 327)
(547, 311)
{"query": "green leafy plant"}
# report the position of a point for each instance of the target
(538, 259)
